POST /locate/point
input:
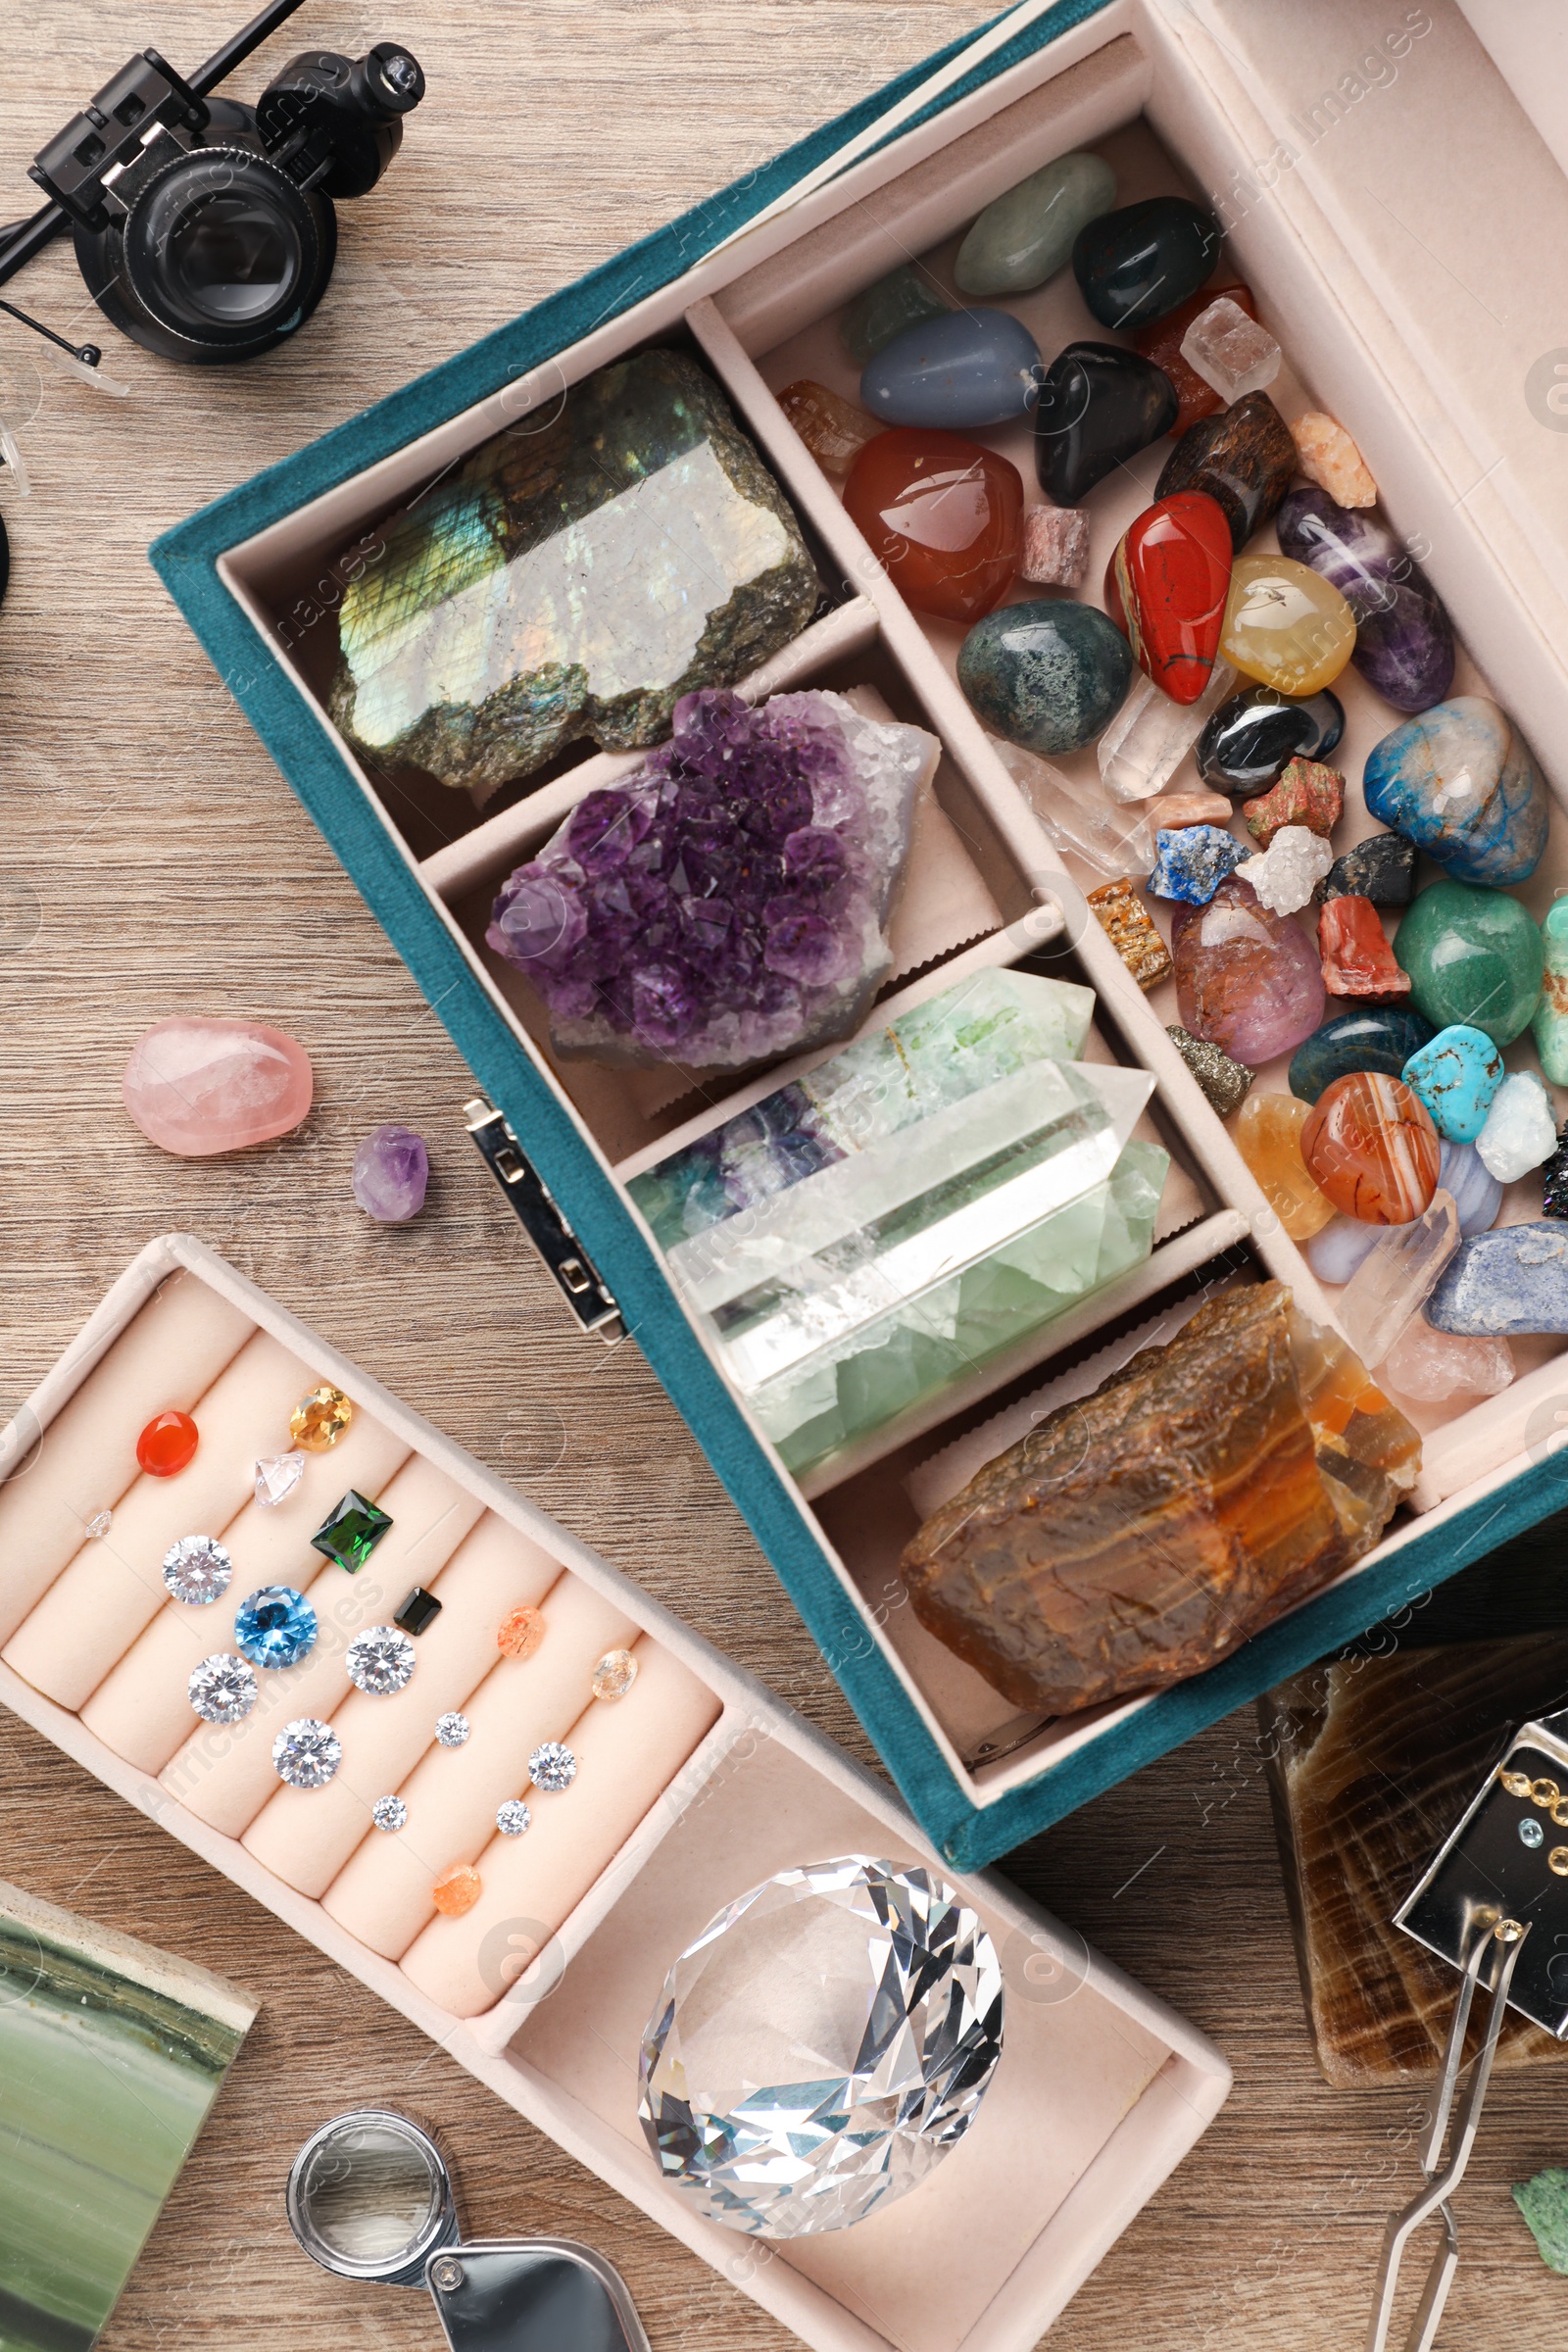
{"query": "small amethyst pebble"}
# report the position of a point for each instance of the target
(391, 1169)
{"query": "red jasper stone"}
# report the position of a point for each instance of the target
(945, 516)
(1163, 343)
(1172, 576)
(1372, 1147)
(167, 1443)
(1357, 960)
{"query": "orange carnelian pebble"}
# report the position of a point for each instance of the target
(1373, 1148)
(167, 1443)
(943, 515)
(456, 1890)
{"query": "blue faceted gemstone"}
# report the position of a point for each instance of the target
(1379, 1038)
(964, 370)
(1476, 1192)
(275, 1625)
(1459, 782)
(1192, 862)
(1505, 1285)
(1455, 1075)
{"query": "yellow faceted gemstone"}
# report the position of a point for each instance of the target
(1268, 1136)
(319, 1419)
(1285, 627)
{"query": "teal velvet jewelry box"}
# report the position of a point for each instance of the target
(1180, 98)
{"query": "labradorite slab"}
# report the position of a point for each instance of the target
(1050, 674)
(111, 2054)
(571, 581)
(1473, 955)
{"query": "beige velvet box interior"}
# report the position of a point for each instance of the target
(1403, 228)
(692, 1786)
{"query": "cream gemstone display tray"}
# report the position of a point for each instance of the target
(681, 1803)
(1336, 219)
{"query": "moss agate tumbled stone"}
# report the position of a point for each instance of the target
(1050, 674)
(571, 580)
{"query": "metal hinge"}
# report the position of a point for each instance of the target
(536, 1210)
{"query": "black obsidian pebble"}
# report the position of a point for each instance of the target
(1097, 406)
(1249, 741)
(1135, 264)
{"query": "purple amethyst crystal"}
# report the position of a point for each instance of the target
(391, 1169)
(728, 901)
(1404, 637)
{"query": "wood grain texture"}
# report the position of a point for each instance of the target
(152, 860)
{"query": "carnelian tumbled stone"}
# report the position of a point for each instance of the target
(1372, 1147)
(167, 1443)
(1172, 572)
(943, 515)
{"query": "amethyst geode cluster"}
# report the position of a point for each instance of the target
(728, 901)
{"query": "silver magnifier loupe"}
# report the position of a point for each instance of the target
(370, 2198)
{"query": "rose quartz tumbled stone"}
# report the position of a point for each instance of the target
(195, 1086)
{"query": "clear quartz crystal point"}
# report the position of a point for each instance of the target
(1082, 818)
(1397, 1277)
(1150, 736)
(819, 2049)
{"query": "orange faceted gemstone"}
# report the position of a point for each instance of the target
(167, 1443)
(1373, 1148)
(519, 1633)
(945, 516)
(456, 1890)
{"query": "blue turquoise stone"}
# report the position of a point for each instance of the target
(1193, 861)
(1027, 234)
(962, 371)
(1050, 675)
(1135, 264)
(1459, 782)
(1476, 1192)
(1505, 1285)
(1455, 1074)
(275, 1625)
(897, 301)
(1335, 1253)
(1379, 1038)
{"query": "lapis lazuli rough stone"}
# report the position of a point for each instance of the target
(1505, 1284)
(275, 1625)
(1456, 1074)
(963, 371)
(1476, 1193)
(1192, 862)
(1459, 782)
(1251, 740)
(1050, 675)
(1404, 637)
(1098, 407)
(1380, 1038)
(1380, 869)
(905, 298)
(1134, 264)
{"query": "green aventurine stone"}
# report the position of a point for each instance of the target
(574, 577)
(1025, 236)
(350, 1533)
(1474, 956)
(904, 298)
(111, 2054)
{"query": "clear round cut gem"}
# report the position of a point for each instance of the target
(380, 1660)
(389, 1813)
(276, 1477)
(223, 1689)
(451, 1730)
(275, 1625)
(552, 1768)
(197, 1569)
(307, 1752)
(512, 1817)
(821, 2047)
(614, 1674)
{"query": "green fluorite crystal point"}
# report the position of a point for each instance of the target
(573, 579)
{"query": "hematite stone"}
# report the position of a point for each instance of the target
(1382, 869)
(1251, 739)
(1244, 459)
(575, 576)
(1097, 406)
(1134, 264)
(1404, 637)
(350, 1533)
(419, 1610)
(1380, 1038)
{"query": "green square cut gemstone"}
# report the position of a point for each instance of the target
(351, 1533)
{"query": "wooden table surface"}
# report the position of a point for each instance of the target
(151, 861)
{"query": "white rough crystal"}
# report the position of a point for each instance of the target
(1431, 1366)
(1520, 1132)
(1231, 352)
(1150, 736)
(1287, 873)
(1112, 836)
(1397, 1278)
(276, 1477)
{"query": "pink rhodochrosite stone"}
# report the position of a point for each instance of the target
(195, 1087)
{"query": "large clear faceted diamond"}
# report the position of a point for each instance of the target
(821, 2047)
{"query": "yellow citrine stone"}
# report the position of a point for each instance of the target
(319, 1419)
(1285, 627)
(1268, 1136)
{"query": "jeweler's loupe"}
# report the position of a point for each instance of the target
(370, 2198)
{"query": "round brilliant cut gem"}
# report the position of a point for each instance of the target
(389, 1813)
(519, 1633)
(614, 1674)
(552, 1768)
(380, 1660)
(451, 1730)
(197, 1570)
(319, 1419)
(223, 1689)
(843, 2022)
(275, 1625)
(512, 1817)
(456, 1890)
(307, 1754)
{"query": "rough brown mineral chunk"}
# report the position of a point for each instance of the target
(1373, 1761)
(1140, 1534)
(1124, 918)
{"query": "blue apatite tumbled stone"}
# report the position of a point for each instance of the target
(275, 1625)
(1476, 1192)
(1193, 861)
(963, 371)
(1050, 675)
(1505, 1285)
(1379, 1038)
(1134, 264)
(1455, 1074)
(1461, 783)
